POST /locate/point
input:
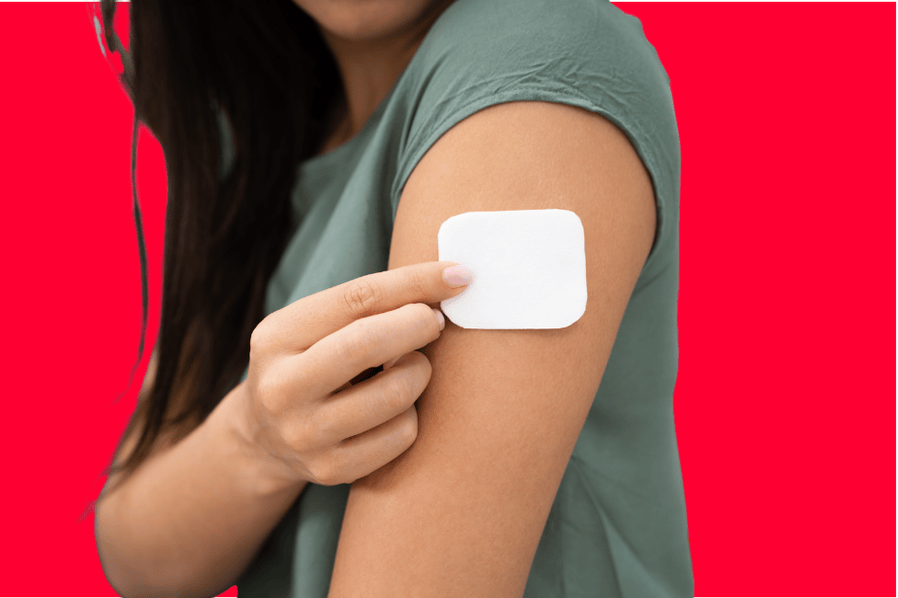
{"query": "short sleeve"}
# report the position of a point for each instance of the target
(585, 53)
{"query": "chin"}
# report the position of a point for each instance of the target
(364, 20)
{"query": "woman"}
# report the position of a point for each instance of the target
(313, 149)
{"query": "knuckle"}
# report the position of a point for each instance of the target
(418, 283)
(359, 344)
(421, 313)
(423, 361)
(362, 297)
(396, 392)
(269, 390)
(325, 471)
(408, 432)
(258, 339)
(423, 370)
(425, 320)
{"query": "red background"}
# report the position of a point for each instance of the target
(785, 401)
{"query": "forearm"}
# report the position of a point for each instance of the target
(191, 519)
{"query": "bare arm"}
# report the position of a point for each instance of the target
(461, 512)
(192, 517)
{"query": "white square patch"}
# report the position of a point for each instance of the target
(529, 268)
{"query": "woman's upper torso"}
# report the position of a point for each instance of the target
(617, 527)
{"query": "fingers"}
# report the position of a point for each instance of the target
(363, 344)
(370, 403)
(305, 321)
(361, 455)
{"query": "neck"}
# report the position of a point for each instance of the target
(369, 68)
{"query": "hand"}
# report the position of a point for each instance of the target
(301, 408)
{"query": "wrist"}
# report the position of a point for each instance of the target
(264, 476)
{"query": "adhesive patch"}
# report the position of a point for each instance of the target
(529, 268)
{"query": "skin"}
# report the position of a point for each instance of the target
(460, 513)
(372, 42)
(502, 411)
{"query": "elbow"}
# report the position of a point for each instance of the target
(130, 575)
(129, 584)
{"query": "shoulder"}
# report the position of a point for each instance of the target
(586, 53)
(503, 19)
(583, 53)
(503, 38)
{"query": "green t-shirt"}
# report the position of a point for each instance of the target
(617, 527)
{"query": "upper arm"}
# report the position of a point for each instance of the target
(461, 512)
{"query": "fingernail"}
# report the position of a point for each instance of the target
(441, 317)
(458, 276)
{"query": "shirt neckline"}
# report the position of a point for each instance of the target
(324, 161)
(336, 154)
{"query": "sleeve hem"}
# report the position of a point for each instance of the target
(639, 141)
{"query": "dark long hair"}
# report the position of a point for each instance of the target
(264, 64)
